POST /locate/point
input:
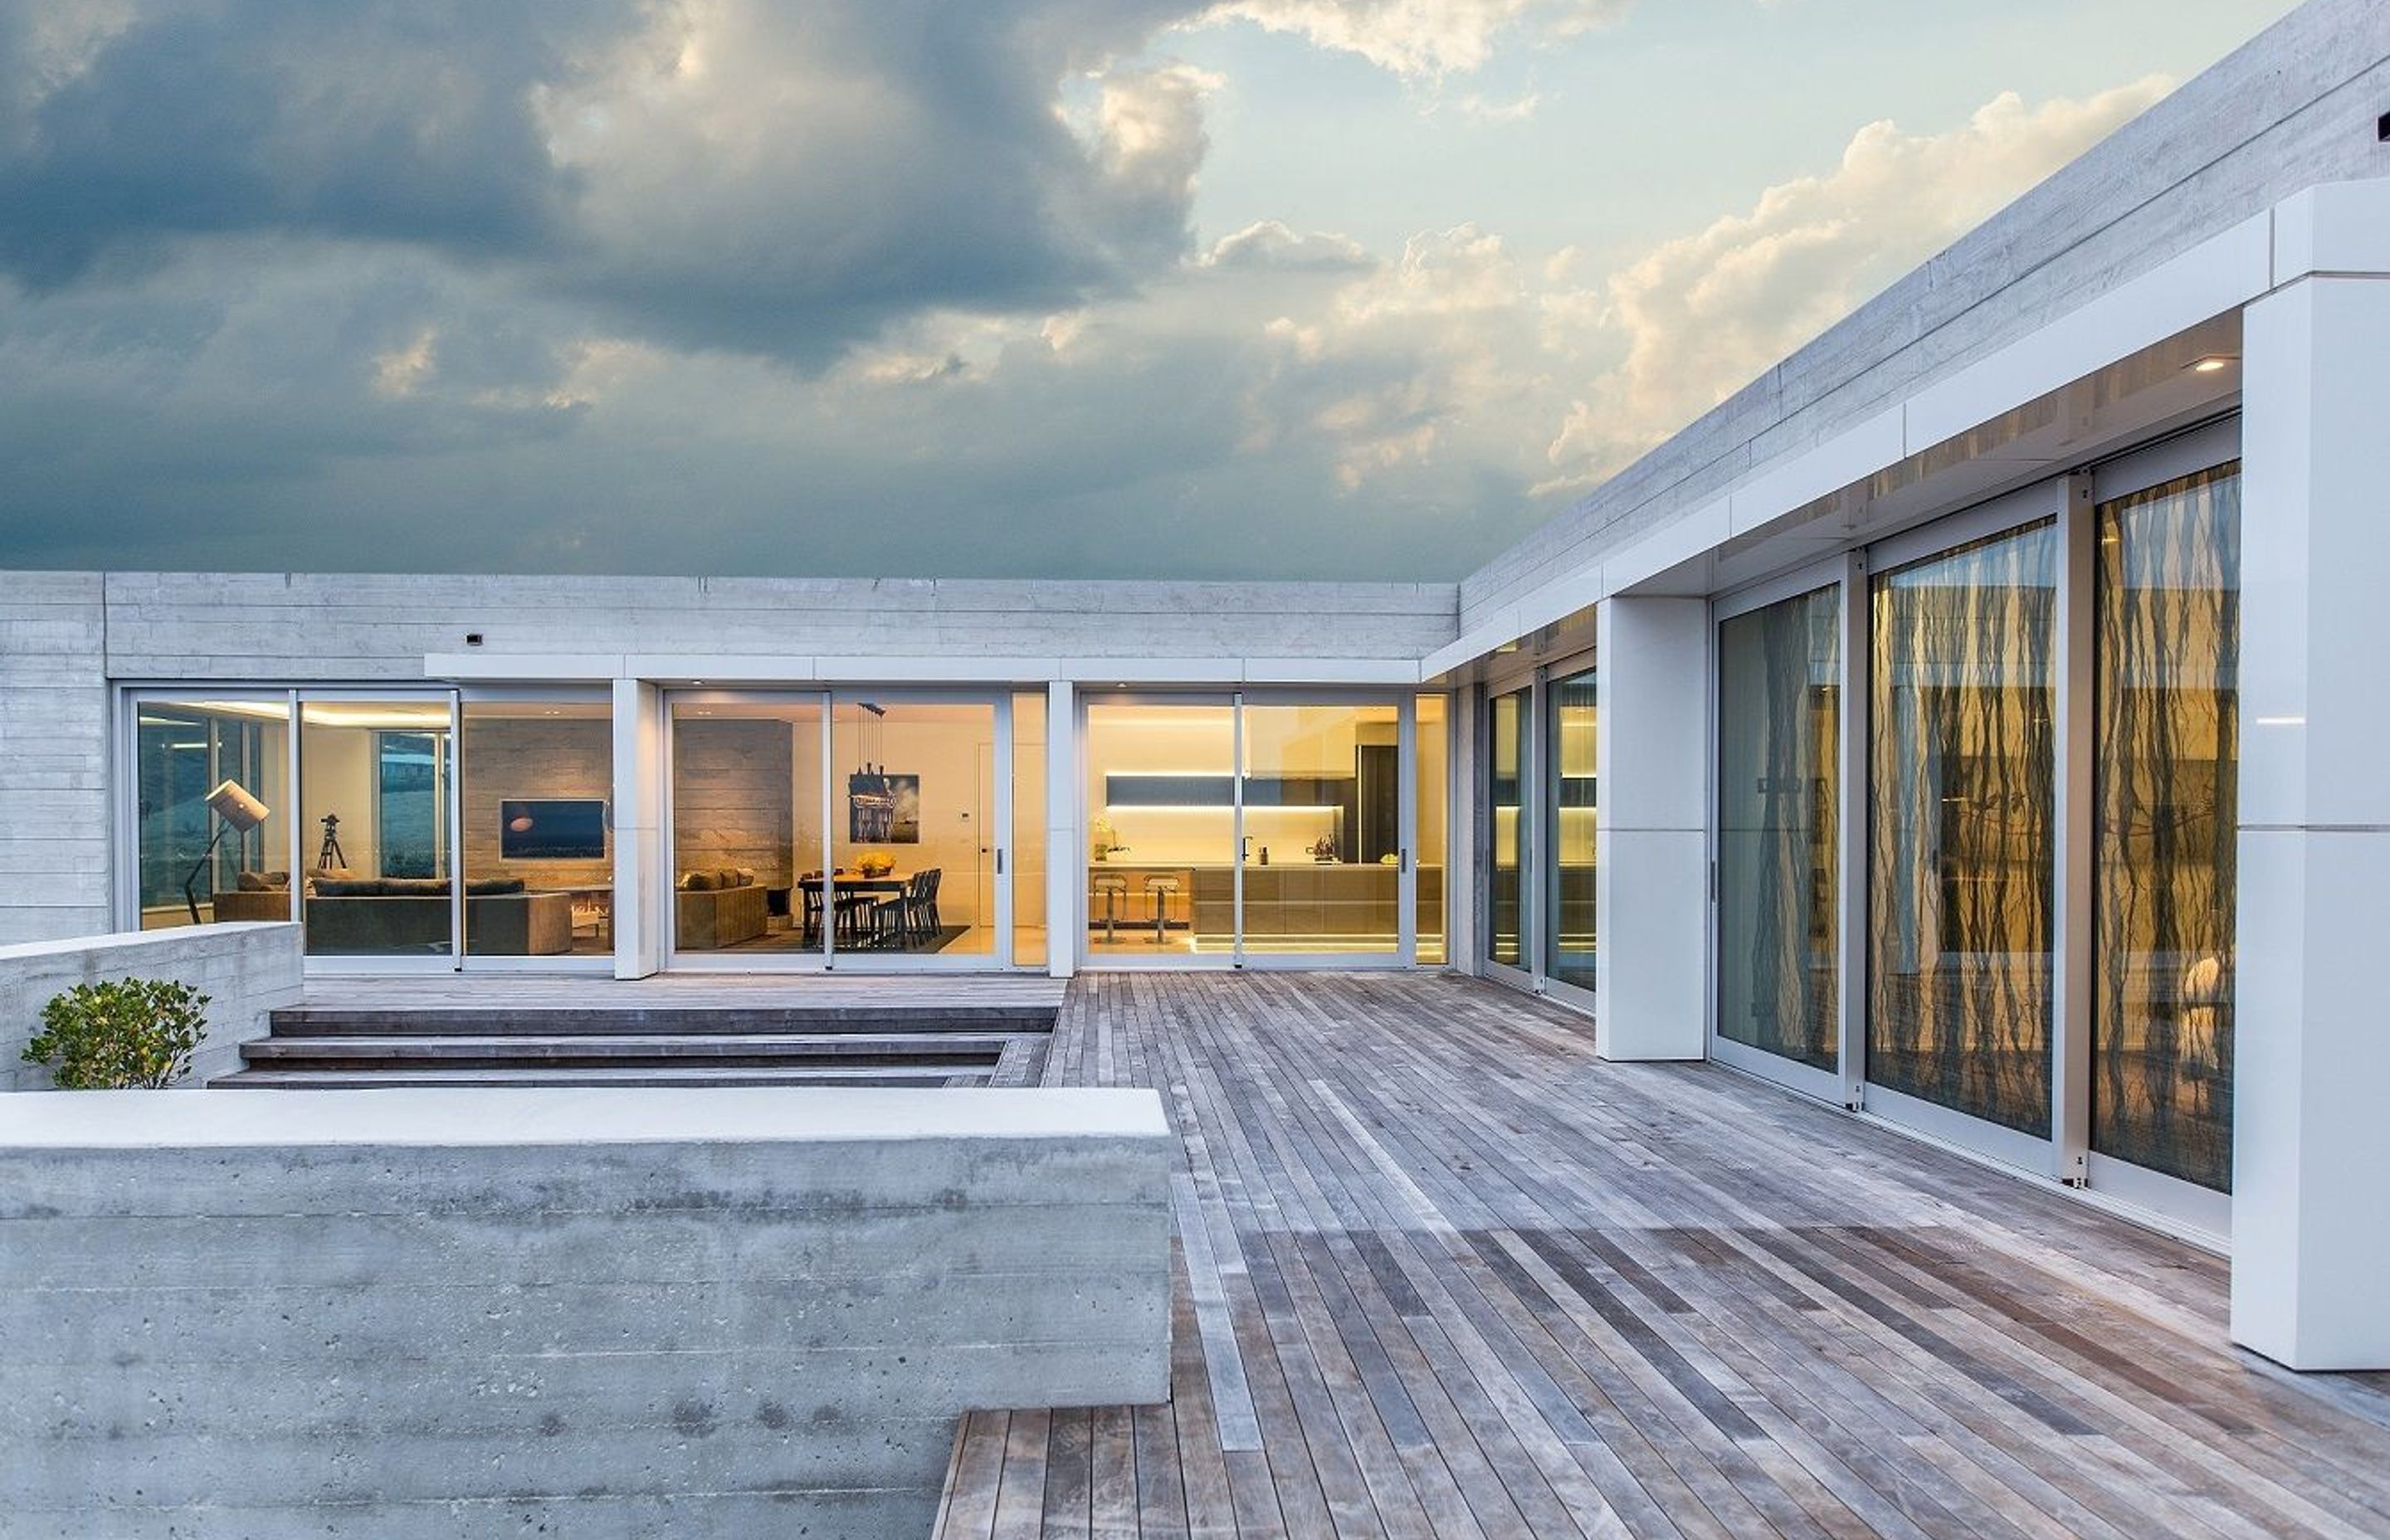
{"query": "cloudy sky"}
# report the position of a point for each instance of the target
(922, 288)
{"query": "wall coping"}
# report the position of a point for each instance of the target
(484, 1117)
(181, 936)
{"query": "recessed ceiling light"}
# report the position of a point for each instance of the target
(2214, 363)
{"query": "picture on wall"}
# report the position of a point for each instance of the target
(884, 809)
(552, 829)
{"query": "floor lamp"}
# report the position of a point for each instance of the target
(235, 809)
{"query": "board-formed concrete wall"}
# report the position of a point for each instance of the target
(54, 863)
(245, 971)
(597, 1313)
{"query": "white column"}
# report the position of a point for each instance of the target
(1066, 852)
(642, 868)
(2311, 1075)
(1650, 845)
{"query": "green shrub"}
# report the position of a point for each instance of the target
(122, 1034)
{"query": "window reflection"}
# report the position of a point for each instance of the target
(1780, 731)
(2167, 650)
(1961, 845)
(1508, 836)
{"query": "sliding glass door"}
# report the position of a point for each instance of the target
(860, 829)
(1263, 829)
(1778, 783)
(1570, 801)
(1510, 844)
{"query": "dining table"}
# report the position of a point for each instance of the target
(846, 883)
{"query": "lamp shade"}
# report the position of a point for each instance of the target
(236, 806)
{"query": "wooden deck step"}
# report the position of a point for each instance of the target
(497, 1019)
(658, 1074)
(953, 1047)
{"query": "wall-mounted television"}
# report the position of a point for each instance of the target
(552, 829)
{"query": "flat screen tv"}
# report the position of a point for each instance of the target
(552, 829)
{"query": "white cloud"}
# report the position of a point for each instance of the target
(1703, 314)
(1422, 38)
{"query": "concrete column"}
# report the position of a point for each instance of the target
(642, 867)
(1650, 845)
(2312, 1073)
(1066, 854)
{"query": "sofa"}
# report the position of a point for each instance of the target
(385, 917)
(718, 908)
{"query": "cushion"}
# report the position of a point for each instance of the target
(493, 887)
(746, 875)
(699, 882)
(726, 876)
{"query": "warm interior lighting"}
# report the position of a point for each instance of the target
(2214, 363)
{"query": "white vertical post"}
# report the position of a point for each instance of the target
(641, 874)
(2070, 1041)
(1652, 841)
(1066, 848)
(2311, 1081)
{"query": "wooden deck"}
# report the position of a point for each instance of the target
(1444, 1275)
(450, 989)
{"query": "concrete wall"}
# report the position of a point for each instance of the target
(2294, 108)
(245, 971)
(595, 1313)
(54, 758)
(295, 627)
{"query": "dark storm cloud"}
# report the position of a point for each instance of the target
(776, 178)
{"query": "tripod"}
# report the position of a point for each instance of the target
(332, 857)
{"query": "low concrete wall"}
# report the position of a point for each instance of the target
(245, 971)
(429, 1313)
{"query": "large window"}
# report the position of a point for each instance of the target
(2167, 648)
(1962, 835)
(1571, 802)
(212, 812)
(1432, 751)
(373, 808)
(1510, 718)
(536, 831)
(1779, 793)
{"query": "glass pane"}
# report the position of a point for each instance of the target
(913, 825)
(1780, 730)
(747, 826)
(1432, 748)
(1323, 819)
(1572, 809)
(1960, 843)
(2168, 650)
(211, 779)
(1161, 839)
(1505, 785)
(373, 798)
(1029, 936)
(535, 778)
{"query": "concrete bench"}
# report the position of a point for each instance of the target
(601, 1312)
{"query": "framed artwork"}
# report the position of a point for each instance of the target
(884, 809)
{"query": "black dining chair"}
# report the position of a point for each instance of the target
(809, 891)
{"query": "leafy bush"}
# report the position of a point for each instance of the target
(120, 1034)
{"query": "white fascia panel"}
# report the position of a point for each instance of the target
(979, 670)
(1560, 598)
(1502, 627)
(1331, 670)
(2338, 227)
(522, 667)
(1796, 481)
(1671, 545)
(1151, 671)
(723, 668)
(2221, 273)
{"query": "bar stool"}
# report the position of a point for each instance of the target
(1160, 889)
(1114, 892)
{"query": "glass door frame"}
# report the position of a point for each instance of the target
(1846, 1083)
(1406, 705)
(1546, 810)
(1527, 973)
(125, 877)
(829, 957)
(1403, 700)
(453, 796)
(468, 961)
(2064, 504)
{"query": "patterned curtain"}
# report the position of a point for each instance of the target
(2168, 655)
(1961, 840)
(1779, 729)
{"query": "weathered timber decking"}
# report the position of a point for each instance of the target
(1445, 1274)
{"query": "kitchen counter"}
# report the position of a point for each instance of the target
(1285, 898)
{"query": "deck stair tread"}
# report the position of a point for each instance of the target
(655, 1074)
(977, 1045)
(634, 1020)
